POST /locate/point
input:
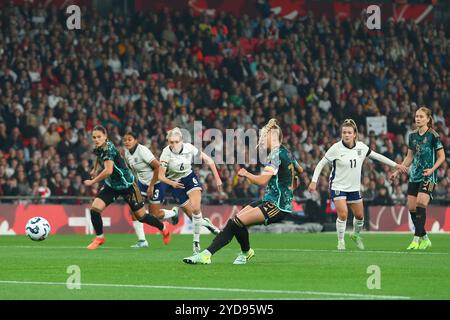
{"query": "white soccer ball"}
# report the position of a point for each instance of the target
(37, 229)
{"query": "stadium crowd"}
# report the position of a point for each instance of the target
(150, 72)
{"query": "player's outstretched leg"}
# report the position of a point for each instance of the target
(220, 241)
(206, 222)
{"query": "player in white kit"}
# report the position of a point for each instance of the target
(176, 175)
(347, 157)
(145, 166)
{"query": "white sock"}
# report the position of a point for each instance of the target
(139, 229)
(425, 237)
(197, 222)
(357, 225)
(168, 213)
(416, 239)
(206, 252)
(340, 228)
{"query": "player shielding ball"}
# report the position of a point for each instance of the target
(278, 177)
(347, 157)
(146, 167)
(425, 155)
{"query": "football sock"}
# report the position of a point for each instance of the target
(340, 228)
(139, 229)
(241, 234)
(168, 213)
(414, 220)
(223, 238)
(197, 222)
(357, 225)
(421, 214)
(151, 220)
(97, 222)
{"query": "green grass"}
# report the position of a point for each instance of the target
(286, 266)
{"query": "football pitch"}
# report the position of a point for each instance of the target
(286, 266)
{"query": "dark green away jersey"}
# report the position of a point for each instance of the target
(121, 178)
(279, 189)
(424, 148)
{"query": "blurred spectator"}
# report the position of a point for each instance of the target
(383, 198)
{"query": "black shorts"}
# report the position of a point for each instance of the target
(270, 211)
(425, 187)
(132, 196)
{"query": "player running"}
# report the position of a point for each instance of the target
(426, 154)
(176, 175)
(118, 181)
(278, 177)
(145, 166)
(347, 157)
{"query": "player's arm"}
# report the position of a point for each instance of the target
(408, 159)
(298, 168)
(379, 157)
(154, 164)
(440, 160)
(162, 177)
(313, 185)
(212, 166)
(94, 171)
(406, 162)
(106, 172)
(260, 180)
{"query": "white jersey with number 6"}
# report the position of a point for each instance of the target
(347, 165)
(178, 165)
(139, 161)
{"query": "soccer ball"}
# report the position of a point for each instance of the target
(37, 229)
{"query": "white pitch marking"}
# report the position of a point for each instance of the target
(143, 286)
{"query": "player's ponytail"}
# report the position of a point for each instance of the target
(273, 125)
(351, 123)
(429, 114)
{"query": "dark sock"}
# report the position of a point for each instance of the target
(97, 222)
(242, 236)
(421, 219)
(151, 220)
(223, 238)
(414, 220)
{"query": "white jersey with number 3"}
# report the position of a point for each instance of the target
(139, 162)
(178, 165)
(346, 165)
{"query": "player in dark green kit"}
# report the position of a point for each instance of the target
(279, 178)
(425, 155)
(118, 181)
